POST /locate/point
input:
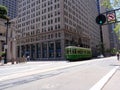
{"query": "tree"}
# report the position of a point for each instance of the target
(3, 12)
(3, 15)
(110, 3)
(106, 3)
(116, 29)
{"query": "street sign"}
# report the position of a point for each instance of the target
(111, 17)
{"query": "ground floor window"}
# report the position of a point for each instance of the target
(33, 51)
(58, 48)
(51, 49)
(22, 50)
(18, 51)
(44, 50)
(38, 46)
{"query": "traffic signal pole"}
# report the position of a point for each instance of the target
(100, 20)
(102, 44)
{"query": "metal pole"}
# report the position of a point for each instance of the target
(102, 44)
(6, 42)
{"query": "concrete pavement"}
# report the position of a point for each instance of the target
(111, 81)
(112, 78)
(114, 82)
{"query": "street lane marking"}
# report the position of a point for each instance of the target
(99, 85)
(30, 68)
(31, 72)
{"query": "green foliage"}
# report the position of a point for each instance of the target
(106, 3)
(116, 3)
(113, 51)
(110, 3)
(117, 28)
(4, 17)
(3, 12)
(2, 54)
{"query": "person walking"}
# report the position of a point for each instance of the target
(28, 58)
(0, 59)
(118, 56)
(24, 59)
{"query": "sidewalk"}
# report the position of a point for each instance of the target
(10, 63)
(114, 82)
(30, 62)
(95, 72)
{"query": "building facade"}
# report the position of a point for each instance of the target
(12, 7)
(46, 27)
(114, 39)
(2, 34)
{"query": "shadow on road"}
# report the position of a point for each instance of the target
(115, 65)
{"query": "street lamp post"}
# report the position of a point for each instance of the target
(7, 24)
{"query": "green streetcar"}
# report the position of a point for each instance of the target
(73, 53)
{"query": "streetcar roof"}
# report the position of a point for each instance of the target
(76, 47)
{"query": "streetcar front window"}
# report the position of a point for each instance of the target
(67, 51)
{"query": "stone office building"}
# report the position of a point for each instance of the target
(2, 35)
(46, 27)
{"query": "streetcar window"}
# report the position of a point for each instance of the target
(72, 50)
(80, 51)
(75, 51)
(67, 51)
(88, 52)
(85, 52)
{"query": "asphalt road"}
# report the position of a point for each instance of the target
(92, 74)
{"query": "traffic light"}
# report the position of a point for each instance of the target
(100, 19)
